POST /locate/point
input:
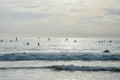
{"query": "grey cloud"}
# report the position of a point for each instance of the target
(12, 2)
(113, 12)
(59, 17)
(6, 14)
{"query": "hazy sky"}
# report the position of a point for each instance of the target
(62, 18)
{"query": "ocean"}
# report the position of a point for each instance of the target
(34, 58)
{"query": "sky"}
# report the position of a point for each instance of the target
(60, 18)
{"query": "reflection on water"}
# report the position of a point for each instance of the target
(54, 48)
(60, 45)
(46, 73)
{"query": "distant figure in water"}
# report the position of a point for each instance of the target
(10, 40)
(27, 43)
(106, 51)
(1, 40)
(66, 39)
(38, 44)
(48, 39)
(110, 41)
(16, 38)
(75, 41)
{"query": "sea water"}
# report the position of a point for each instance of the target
(59, 59)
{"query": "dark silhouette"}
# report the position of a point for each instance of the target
(1, 40)
(27, 43)
(10, 40)
(38, 44)
(110, 41)
(48, 39)
(75, 41)
(106, 51)
(66, 39)
(16, 39)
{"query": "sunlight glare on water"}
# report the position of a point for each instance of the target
(19, 61)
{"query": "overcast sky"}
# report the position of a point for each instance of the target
(60, 18)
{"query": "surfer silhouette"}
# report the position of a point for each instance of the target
(38, 44)
(27, 43)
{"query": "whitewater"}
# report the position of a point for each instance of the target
(59, 58)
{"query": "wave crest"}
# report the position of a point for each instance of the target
(50, 56)
(69, 68)
(83, 68)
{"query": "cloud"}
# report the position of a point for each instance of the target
(23, 16)
(65, 7)
(113, 12)
(60, 17)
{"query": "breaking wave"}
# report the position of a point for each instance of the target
(69, 68)
(83, 68)
(58, 56)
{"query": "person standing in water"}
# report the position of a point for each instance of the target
(75, 40)
(110, 41)
(48, 39)
(66, 39)
(38, 44)
(27, 43)
(1, 40)
(10, 40)
(16, 38)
